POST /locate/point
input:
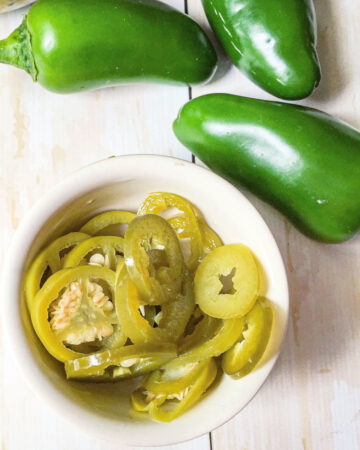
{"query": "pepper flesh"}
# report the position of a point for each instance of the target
(50, 292)
(109, 245)
(204, 376)
(171, 381)
(240, 359)
(135, 359)
(49, 257)
(236, 300)
(223, 338)
(155, 284)
(89, 44)
(272, 42)
(302, 161)
(175, 314)
(97, 224)
(185, 223)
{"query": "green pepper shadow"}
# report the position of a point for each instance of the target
(330, 34)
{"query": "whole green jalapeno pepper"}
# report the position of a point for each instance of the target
(300, 160)
(272, 42)
(69, 46)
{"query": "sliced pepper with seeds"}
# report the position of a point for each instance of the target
(73, 313)
(159, 404)
(50, 258)
(100, 251)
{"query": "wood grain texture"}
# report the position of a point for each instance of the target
(312, 398)
(43, 137)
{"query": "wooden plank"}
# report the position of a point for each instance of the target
(43, 137)
(312, 398)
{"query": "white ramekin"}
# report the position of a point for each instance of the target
(122, 183)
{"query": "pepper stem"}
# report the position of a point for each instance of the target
(16, 50)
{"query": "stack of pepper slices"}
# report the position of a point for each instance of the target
(164, 301)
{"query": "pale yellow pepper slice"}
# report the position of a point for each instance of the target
(245, 354)
(234, 261)
(157, 202)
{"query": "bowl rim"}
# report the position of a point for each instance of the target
(43, 209)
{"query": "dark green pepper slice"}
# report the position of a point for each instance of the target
(70, 46)
(302, 161)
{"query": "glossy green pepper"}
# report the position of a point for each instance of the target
(272, 42)
(300, 160)
(69, 46)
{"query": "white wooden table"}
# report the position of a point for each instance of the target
(312, 398)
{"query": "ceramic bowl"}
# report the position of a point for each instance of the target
(122, 183)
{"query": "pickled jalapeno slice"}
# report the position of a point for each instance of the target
(186, 228)
(73, 313)
(244, 355)
(157, 283)
(174, 314)
(104, 251)
(48, 262)
(227, 282)
(118, 363)
(99, 223)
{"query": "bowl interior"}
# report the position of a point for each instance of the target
(122, 183)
